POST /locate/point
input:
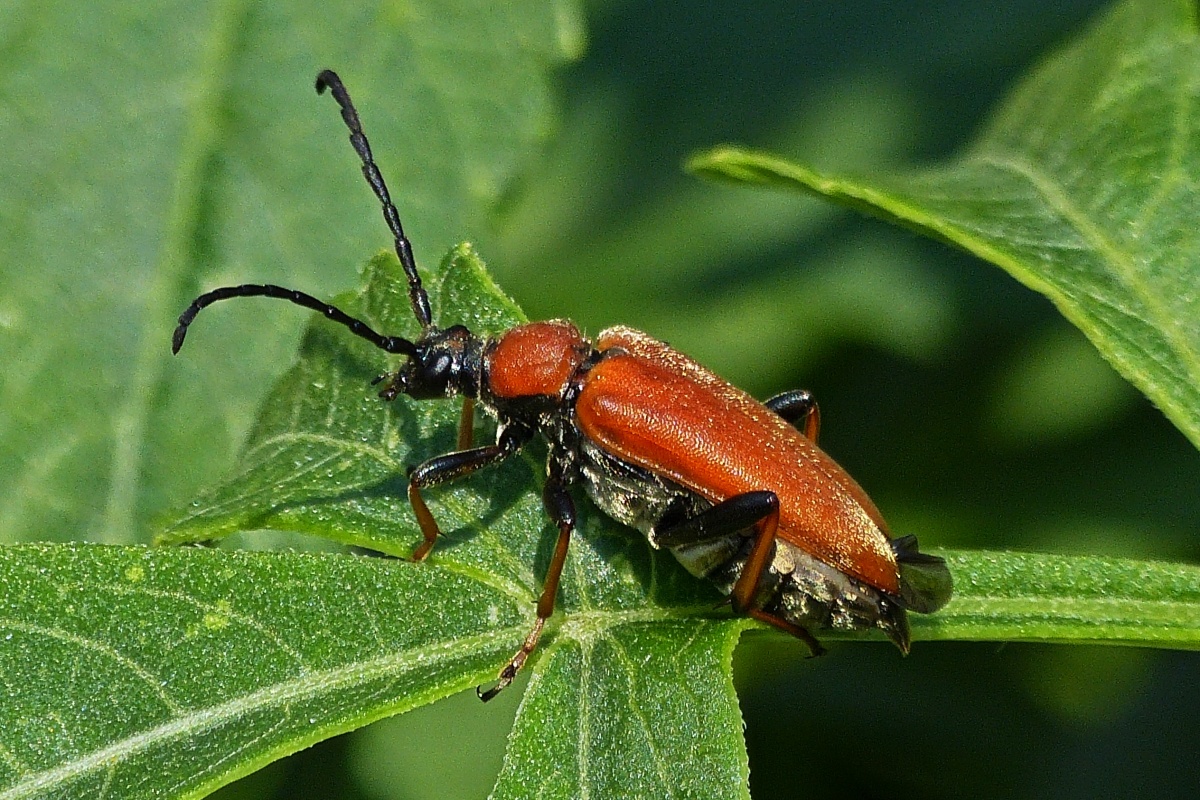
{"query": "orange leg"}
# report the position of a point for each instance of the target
(561, 509)
(448, 467)
(814, 647)
(746, 587)
(760, 509)
(466, 424)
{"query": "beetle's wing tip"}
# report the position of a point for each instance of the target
(925, 581)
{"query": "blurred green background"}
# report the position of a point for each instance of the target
(971, 411)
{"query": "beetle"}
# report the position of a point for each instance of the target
(737, 490)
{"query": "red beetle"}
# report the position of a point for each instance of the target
(731, 486)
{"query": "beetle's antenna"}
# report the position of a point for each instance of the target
(328, 79)
(392, 344)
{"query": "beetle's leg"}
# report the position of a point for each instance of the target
(466, 424)
(735, 514)
(440, 469)
(561, 509)
(745, 589)
(800, 408)
(815, 648)
(758, 509)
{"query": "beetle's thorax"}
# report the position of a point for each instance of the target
(538, 359)
(531, 372)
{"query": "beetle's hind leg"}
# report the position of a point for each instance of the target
(759, 510)
(800, 408)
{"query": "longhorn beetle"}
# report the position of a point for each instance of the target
(737, 490)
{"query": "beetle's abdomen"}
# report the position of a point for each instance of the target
(654, 407)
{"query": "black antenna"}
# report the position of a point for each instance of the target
(416, 292)
(392, 344)
(328, 79)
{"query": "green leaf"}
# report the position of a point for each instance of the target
(164, 673)
(634, 677)
(1080, 599)
(139, 673)
(154, 150)
(630, 709)
(1085, 186)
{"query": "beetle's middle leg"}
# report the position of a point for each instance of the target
(800, 408)
(561, 509)
(466, 424)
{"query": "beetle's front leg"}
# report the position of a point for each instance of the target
(450, 466)
(561, 509)
(466, 424)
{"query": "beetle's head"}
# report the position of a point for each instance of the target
(442, 363)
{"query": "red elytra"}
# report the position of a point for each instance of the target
(656, 408)
(736, 489)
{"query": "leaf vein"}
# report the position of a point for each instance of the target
(102, 648)
(1173, 172)
(342, 446)
(242, 501)
(279, 694)
(1122, 262)
(224, 612)
(664, 778)
(585, 717)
